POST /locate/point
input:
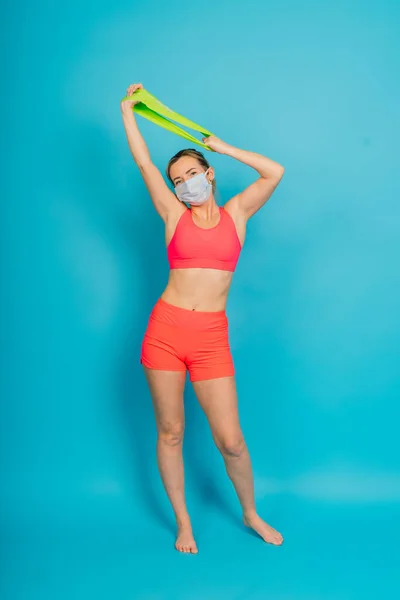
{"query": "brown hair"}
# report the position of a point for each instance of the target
(194, 154)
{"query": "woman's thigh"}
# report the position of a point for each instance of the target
(166, 389)
(218, 399)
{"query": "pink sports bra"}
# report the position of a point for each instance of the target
(192, 246)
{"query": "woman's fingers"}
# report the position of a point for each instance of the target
(133, 87)
(127, 105)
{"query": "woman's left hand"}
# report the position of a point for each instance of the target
(215, 144)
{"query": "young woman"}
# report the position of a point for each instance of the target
(188, 327)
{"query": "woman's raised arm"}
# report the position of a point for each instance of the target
(251, 199)
(163, 198)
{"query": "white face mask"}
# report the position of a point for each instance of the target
(194, 191)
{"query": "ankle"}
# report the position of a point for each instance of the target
(183, 521)
(250, 515)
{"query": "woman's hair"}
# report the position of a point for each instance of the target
(194, 154)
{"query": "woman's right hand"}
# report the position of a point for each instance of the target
(127, 105)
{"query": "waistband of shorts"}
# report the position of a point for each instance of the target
(188, 319)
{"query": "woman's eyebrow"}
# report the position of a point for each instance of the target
(188, 171)
(191, 169)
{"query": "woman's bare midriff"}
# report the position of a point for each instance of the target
(198, 289)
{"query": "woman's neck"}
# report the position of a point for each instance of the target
(206, 212)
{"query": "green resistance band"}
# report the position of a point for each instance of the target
(152, 109)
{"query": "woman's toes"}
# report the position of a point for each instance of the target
(185, 542)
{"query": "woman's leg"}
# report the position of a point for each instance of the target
(166, 388)
(218, 399)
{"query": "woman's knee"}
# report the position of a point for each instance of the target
(171, 434)
(232, 447)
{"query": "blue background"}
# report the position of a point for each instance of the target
(314, 306)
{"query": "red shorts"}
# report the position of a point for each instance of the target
(178, 339)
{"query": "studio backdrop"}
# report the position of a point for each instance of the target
(313, 309)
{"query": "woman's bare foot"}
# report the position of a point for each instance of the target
(185, 540)
(268, 533)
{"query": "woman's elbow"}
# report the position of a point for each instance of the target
(279, 171)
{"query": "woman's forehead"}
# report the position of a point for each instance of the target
(184, 164)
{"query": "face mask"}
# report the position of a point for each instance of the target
(194, 191)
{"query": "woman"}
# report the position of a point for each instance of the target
(188, 326)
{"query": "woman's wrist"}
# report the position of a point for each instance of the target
(127, 113)
(230, 150)
(226, 149)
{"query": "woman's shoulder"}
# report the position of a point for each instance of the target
(174, 220)
(231, 207)
(236, 218)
